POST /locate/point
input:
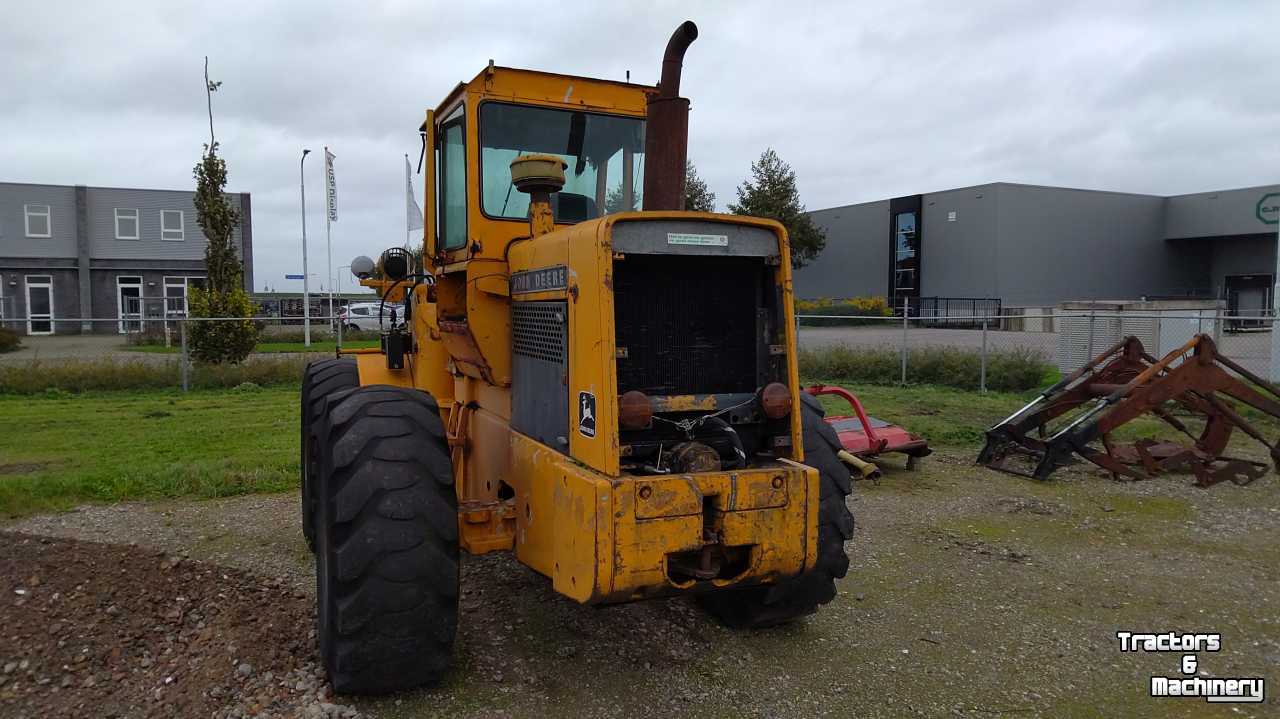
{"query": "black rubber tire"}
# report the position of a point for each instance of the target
(770, 605)
(386, 541)
(320, 379)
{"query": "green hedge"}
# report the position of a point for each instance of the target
(850, 318)
(10, 341)
(1007, 370)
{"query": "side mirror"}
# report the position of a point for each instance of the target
(362, 267)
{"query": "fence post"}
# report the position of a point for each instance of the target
(982, 374)
(906, 313)
(182, 359)
(1089, 356)
(339, 322)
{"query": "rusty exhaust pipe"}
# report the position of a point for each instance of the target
(666, 141)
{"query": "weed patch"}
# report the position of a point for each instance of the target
(64, 377)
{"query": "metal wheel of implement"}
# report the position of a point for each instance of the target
(320, 379)
(770, 605)
(386, 541)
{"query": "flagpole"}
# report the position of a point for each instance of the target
(328, 242)
(408, 180)
(306, 289)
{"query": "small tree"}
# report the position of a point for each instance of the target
(697, 196)
(771, 192)
(223, 294)
(614, 201)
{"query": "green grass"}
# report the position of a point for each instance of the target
(326, 346)
(154, 443)
(1015, 370)
(943, 415)
(950, 417)
(145, 445)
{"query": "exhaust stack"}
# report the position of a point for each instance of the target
(666, 141)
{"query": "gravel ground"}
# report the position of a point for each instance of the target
(123, 631)
(971, 593)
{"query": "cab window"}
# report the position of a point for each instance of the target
(453, 185)
(604, 155)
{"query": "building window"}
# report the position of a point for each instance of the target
(171, 225)
(906, 259)
(126, 224)
(39, 304)
(176, 292)
(38, 220)
(175, 296)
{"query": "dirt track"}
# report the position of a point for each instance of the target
(971, 594)
(116, 631)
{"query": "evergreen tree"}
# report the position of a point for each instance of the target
(771, 192)
(697, 196)
(223, 294)
(614, 202)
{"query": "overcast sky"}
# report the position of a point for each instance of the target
(864, 100)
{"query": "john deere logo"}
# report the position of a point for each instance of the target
(1269, 209)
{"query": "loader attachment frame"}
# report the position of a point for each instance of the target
(1079, 413)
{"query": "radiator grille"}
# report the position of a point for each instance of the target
(537, 330)
(688, 324)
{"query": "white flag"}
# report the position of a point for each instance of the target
(331, 185)
(413, 213)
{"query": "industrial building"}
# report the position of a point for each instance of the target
(69, 253)
(1035, 246)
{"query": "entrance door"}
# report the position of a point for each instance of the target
(129, 303)
(39, 305)
(1248, 300)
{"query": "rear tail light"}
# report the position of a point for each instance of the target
(775, 400)
(635, 410)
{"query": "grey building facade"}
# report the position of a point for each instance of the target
(1036, 246)
(69, 253)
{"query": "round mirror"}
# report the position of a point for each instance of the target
(362, 267)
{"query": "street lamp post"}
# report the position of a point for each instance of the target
(336, 319)
(1275, 314)
(306, 287)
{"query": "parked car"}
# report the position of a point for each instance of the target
(364, 316)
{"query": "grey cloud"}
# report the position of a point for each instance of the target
(865, 100)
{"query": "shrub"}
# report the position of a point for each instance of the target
(38, 376)
(10, 341)
(870, 307)
(1014, 370)
(219, 341)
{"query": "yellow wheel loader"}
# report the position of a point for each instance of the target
(579, 372)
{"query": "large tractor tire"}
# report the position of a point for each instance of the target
(320, 379)
(770, 605)
(386, 541)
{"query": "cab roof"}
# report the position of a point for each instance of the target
(549, 88)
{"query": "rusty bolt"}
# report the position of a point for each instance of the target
(646, 492)
(777, 482)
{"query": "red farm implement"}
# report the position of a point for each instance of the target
(1191, 389)
(864, 437)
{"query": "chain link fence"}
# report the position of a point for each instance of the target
(1006, 351)
(970, 351)
(148, 347)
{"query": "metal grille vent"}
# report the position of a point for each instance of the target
(538, 329)
(689, 325)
